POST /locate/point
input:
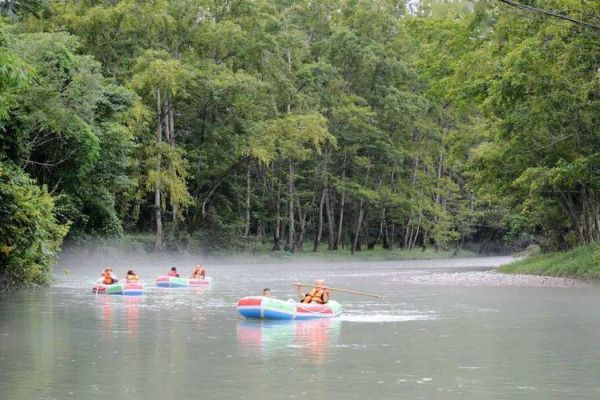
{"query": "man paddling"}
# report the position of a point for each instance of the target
(319, 294)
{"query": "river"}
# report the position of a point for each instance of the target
(420, 341)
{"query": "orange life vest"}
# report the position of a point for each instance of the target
(132, 278)
(316, 295)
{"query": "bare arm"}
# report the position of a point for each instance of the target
(300, 294)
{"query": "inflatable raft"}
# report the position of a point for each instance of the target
(270, 308)
(125, 289)
(175, 282)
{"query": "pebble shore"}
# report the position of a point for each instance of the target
(490, 278)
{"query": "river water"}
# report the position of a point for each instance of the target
(417, 342)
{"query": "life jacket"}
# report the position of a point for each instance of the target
(132, 278)
(108, 280)
(316, 295)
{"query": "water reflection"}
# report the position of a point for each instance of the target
(106, 313)
(311, 338)
(120, 312)
(132, 315)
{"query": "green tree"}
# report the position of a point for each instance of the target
(31, 235)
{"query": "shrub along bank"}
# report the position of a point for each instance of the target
(30, 236)
(581, 262)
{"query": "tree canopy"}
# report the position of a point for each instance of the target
(355, 123)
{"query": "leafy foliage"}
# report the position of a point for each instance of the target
(429, 123)
(31, 236)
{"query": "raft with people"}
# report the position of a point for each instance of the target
(316, 303)
(197, 278)
(110, 284)
(119, 288)
(166, 281)
(270, 308)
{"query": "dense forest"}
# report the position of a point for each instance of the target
(344, 124)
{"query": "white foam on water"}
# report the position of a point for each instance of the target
(384, 318)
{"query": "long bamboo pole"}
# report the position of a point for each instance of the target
(340, 290)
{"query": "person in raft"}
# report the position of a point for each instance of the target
(198, 272)
(173, 272)
(131, 277)
(319, 294)
(266, 292)
(108, 277)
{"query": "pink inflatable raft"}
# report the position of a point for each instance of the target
(125, 289)
(175, 282)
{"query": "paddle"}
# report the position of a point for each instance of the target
(340, 290)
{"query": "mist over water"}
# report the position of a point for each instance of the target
(417, 342)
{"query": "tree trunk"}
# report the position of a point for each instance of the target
(330, 217)
(158, 242)
(342, 202)
(407, 238)
(569, 206)
(298, 245)
(380, 234)
(416, 235)
(358, 225)
(386, 238)
(171, 122)
(277, 230)
(170, 137)
(361, 214)
(409, 231)
(289, 68)
(366, 230)
(247, 226)
(292, 228)
(320, 227)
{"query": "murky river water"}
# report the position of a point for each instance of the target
(418, 342)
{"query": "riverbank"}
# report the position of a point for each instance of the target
(580, 263)
(256, 251)
(490, 279)
(323, 254)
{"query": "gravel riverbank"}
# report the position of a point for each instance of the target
(490, 278)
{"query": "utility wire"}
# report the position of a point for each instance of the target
(550, 13)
